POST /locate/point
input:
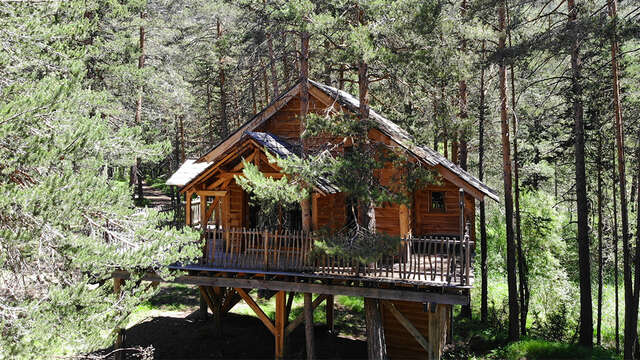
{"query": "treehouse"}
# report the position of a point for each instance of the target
(414, 287)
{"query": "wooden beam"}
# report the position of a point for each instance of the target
(230, 174)
(377, 293)
(215, 167)
(210, 209)
(230, 300)
(300, 318)
(457, 181)
(207, 300)
(407, 324)
(217, 193)
(187, 216)
(308, 326)
(203, 210)
(256, 309)
(289, 304)
(280, 322)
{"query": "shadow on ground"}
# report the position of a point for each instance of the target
(245, 337)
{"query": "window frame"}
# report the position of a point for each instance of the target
(444, 203)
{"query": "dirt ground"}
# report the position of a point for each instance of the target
(175, 330)
(245, 337)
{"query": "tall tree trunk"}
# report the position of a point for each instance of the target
(224, 122)
(376, 344)
(137, 175)
(514, 333)
(304, 81)
(599, 190)
(366, 211)
(630, 301)
(183, 157)
(285, 60)
(265, 80)
(615, 253)
(523, 271)
(272, 65)
(636, 260)
(484, 309)
(212, 126)
(253, 90)
(341, 78)
(584, 263)
(461, 153)
(462, 136)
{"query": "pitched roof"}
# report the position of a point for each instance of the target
(387, 127)
(187, 172)
(404, 139)
(280, 147)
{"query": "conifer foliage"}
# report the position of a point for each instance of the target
(66, 215)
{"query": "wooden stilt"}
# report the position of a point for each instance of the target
(218, 294)
(308, 325)
(288, 307)
(280, 320)
(119, 342)
(376, 345)
(329, 314)
(203, 306)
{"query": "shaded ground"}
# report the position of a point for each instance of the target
(170, 324)
(155, 197)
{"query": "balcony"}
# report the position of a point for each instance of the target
(421, 260)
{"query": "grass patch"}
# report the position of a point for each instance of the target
(540, 349)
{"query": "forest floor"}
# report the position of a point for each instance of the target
(171, 323)
(155, 196)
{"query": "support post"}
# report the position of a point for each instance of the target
(329, 314)
(203, 211)
(376, 345)
(280, 321)
(203, 308)
(187, 210)
(119, 342)
(305, 205)
(308, 325)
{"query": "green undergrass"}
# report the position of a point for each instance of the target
(347, 314)
(492, 335)
(540, 349)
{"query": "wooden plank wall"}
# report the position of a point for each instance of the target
(330, 211)
(237, 196)
(400, 343)
(286, 123)
(427, 223)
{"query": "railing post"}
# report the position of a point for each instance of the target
(463, 248)
(467, 237)
(265, 240)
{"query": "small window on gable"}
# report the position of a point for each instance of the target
(437, 201)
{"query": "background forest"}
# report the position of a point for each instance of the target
(540, 99)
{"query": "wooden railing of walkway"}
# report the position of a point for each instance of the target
(443, 260)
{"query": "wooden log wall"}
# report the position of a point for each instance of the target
(426, 222)
(433, 324)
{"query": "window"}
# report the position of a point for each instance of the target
(437, 201)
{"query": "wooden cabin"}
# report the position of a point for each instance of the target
(415, 288)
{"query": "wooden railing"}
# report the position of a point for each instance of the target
(431, 259)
